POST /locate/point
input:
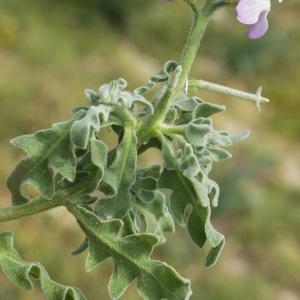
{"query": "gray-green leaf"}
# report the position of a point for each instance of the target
(145, 185)
(19, 272)
(120, 176)
(208, 109)
(83, 129)
(48, 151)
(90, 170)
(163, 76)
(131, 256)
(196, 133)
(156, 214)
(189, 191)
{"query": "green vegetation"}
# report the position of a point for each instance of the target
(51, 52)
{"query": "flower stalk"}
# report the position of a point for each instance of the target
(213, 87)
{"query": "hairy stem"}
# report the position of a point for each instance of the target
(33, 207)
(190, 50)
(200, 22)
(213, 87)
(201, 18)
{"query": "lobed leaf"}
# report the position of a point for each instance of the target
(185, 103)
(120, 176)
(188, 190)
(157, 217)
(197, 132)
(48, 151)
(114, 93)
(146, 185)
(163, 76)
(151, 204)
(82, 130)
(132, 223)
(90, 171)
(19, 272)
(131, 256)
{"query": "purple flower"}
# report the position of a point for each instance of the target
(254, 13)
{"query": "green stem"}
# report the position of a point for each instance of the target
(180, 129)
(200, 22)
(201, 18)
(190, 50)
(33, 207)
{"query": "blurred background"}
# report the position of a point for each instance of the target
(50, 51)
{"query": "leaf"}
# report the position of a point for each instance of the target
(167, 151)
(187, 161)
(82, 129)
(99, 153)
(120, 176)
(92, 96)
(208, 109)
(48, 151)
(19, 272)
(171, 116)
(186, 103)
(218, 154)
(151, 203)
(145, 185)
(156, 215)
(240, 136)
(225, 139)
(197, 131)
(90, 171)
(163, 76)
(188, 191)
(220, 138)
(131, 222)
(131, 256)
(114, 93)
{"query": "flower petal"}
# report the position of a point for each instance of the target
(249, 11)
(260, 28)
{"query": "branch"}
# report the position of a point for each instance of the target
(33, 207)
